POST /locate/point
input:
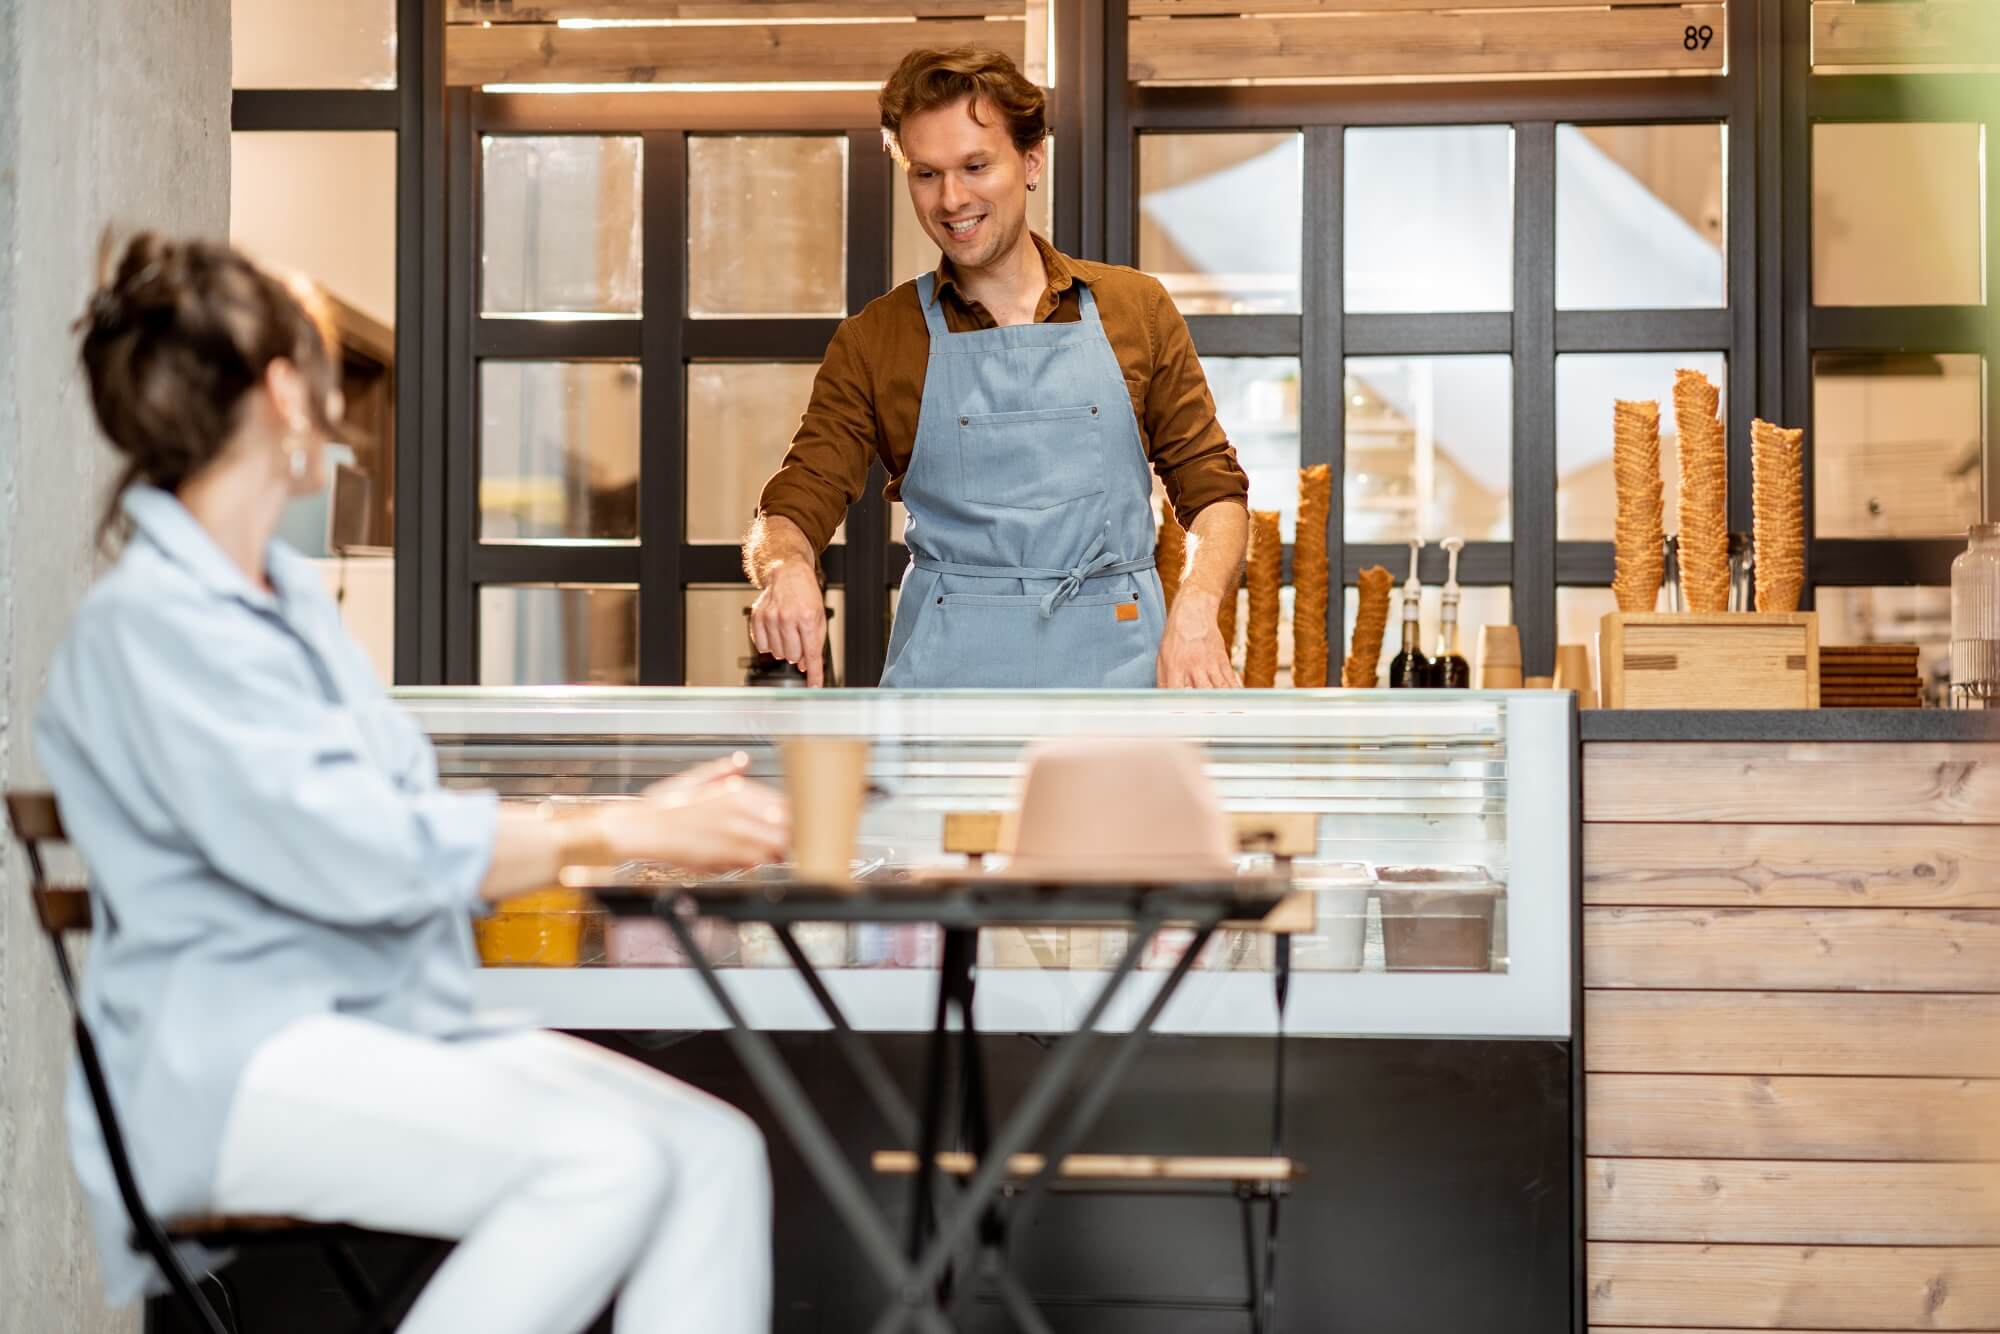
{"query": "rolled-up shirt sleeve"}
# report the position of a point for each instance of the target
(273, 783)
(1189, 449)
(826, 468)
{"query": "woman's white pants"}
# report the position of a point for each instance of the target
(566, 1173)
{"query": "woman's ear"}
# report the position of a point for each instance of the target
(287, 389)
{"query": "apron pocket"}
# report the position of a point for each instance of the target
(1004, 641)
(1031, 460)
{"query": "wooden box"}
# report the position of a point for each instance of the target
(1734, 660)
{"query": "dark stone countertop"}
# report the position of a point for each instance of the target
(1723, 725)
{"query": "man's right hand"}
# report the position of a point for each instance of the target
(788, 620)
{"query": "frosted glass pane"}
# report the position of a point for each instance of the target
(1220, 217)
(1430, 219)
(1896, 444)
(320, 44)
(1587, 388)
(1639, 217)
(561, 234)
(1257, 402)
(767, 225)
(1896, 213)
(741, 418)
(558, 450)
(1429, 448)
(322, 202)
(558, 634)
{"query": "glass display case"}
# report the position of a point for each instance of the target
(1443, 882)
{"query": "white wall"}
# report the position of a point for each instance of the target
(111, 111)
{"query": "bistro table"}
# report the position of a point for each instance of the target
(916, 1271)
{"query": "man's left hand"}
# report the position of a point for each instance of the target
(1192, 655)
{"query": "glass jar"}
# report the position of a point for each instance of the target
(1975, 621)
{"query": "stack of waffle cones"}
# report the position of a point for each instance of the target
(1778, 500)
(1170, 551)
(1640, 533)
(1704, 536)
(1265, 578)
(1371, 622)
(1309, 579)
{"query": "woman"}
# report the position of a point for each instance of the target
(280, 979)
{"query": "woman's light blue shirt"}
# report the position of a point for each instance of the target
(266, 839)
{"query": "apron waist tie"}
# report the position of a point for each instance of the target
(1100, 566)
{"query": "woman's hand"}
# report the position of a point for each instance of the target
(709, 819)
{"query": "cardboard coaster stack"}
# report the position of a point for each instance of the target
(1704, 501)
(1778, 498)
(1371, 622)
(1309, 578)
(1640, 533)
(1870, 676)
(1170, 551)
(1265, 580)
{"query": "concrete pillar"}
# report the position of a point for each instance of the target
(111, 112)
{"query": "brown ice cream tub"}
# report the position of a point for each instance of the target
(1436, 918)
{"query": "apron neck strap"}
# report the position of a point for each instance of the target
(933, 311)
(1085, 302)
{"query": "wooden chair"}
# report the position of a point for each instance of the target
(65, 909)
(1285, 836)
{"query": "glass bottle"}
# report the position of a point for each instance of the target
(1975, 621)
(1449, 669)
(1410, 669)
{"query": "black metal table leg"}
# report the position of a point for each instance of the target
(1037, 1104)
(816, 1145)
(1090, 1105)
(874, 1077)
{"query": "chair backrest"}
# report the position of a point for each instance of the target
(62, 909)
(37, 824)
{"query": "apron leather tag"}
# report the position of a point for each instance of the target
(1128, 611)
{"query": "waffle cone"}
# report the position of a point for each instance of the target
(1309, 578)
(1639, 535)
(1371, 622)
(1264, 578)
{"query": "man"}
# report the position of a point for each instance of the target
(1018, 398)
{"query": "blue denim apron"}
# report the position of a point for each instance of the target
(1030, 515)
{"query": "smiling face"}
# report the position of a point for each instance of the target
(968, 182)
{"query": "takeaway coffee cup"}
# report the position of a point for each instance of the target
(826, 780)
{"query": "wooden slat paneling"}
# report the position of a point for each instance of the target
(1815, 1204)
(1917, 32)
(1749, 783)
(749, 11)
(1794, 1287)
(1424, 44)
(832, 52)
(1791, 1033)
(1792, 866)
(1760, 1116)
(1780, 949)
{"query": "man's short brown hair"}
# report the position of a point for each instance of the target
(931, 78)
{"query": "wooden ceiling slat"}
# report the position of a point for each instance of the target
(749, 11)
(1921, 32)
(1426, 44)
(741, 53)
